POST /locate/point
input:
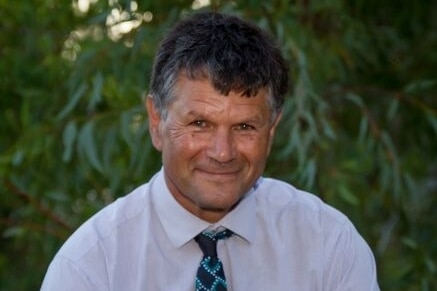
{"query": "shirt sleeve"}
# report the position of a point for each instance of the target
(350, 265)
(62, 274)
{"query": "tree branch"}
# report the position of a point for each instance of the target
(38, 206)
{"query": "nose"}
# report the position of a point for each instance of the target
(222, 146)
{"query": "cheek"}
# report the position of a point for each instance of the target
(181, 145)
(255, 149)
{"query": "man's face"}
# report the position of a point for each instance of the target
(214, 147)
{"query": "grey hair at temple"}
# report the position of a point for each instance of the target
(233, 54)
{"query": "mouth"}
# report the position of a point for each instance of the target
(229, 173)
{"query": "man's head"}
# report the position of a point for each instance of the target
(233, 54)
(216, 93)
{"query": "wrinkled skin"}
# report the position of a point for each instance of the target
(214, 147)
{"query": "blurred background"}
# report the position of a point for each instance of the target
(359, 127)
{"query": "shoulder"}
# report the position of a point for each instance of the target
(106, 224)
(283, 199)
(82, 262)
(297, 218)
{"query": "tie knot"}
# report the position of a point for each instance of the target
(208, 241)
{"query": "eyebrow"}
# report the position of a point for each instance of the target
(196, 114)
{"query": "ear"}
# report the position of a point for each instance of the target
(273, 130)
(154, 123)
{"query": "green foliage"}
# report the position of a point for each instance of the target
(359, 128)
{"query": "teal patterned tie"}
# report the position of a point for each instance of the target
(210, 275)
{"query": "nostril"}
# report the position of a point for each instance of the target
(222, 148)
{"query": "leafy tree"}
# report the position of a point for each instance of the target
(359, 128)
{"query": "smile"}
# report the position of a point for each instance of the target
(219, 173)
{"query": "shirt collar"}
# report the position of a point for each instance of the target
(242, 219)
(181, 226)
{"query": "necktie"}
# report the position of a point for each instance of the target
(210, 275)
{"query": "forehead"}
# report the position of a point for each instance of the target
(202, 90)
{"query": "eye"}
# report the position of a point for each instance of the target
(245, 127)
(199, 123)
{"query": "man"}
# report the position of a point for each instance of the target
(208, 220)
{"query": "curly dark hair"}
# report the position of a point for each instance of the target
(233, 54)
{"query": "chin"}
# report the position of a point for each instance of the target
(223, 203)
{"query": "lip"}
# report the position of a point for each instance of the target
(218, 173)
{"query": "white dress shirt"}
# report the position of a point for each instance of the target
(285, 239)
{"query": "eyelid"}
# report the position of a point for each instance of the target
(245, 127)
(199, 123)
